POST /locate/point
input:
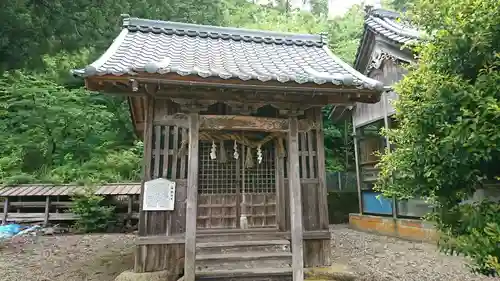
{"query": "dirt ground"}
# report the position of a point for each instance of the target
(102, 257)
(382, 258)
(95, 257)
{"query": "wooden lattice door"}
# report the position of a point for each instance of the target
(230, 189)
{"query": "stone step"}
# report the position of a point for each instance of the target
(242, 246)
(248, 260)
(246, 274)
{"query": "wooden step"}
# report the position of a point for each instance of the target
(255, 260)
(243, 246)
(235, 230)
(241, 235)
(246, 274)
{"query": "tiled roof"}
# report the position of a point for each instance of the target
(61, 190)
(390, 25)
(162, 47)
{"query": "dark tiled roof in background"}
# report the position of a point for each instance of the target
(55, 190)
(389, 25)
(208, 51)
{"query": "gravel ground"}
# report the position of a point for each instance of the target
(67, 258)
(102, 257)
(381, 258)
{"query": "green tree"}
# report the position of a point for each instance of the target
(319, 7)
(45, 126)
(448, 142)
(93, 214)
(31, 29)
(345, 33)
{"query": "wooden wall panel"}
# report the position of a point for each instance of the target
(389, 73)
(161, 160)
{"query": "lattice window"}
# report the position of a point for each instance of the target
(261, 178)
(216, 177)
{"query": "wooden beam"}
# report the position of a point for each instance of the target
(235, 123)
(191, 199)
(204, 234)
(233, 83)
(295, 201)
(243, 123)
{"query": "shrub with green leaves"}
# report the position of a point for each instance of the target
(448, 139)
(93, 214)
(473, 230)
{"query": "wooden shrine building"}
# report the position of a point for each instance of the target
(233, 117)
(381, 55)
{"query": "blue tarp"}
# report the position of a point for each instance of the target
(375, 203)
(9, 230)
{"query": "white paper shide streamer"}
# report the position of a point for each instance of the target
(213, 154)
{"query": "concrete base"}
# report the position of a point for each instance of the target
(164, 275)
(335, 272)
(410, 229)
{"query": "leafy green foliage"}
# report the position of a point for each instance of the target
(93, 215)
(319, 7)
(339, 146)
(32, 29)
(473, 231)
(448, 142)
(345, 33)
(55, 134)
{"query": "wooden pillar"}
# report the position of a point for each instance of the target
(130, 205)
(280, 188)
(192, 198)
(146, 166)
(47, 207)
(322, 194)
(356, 163)
(388, 147)
(140, 254)
(295, 201)
(5, 210)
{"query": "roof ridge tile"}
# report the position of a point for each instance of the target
(219, 32)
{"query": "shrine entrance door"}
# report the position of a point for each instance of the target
(234, 189)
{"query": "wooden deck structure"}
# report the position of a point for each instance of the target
(234, 117)
(29, 203)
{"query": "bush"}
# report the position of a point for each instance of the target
(473, 230)
(93, 215)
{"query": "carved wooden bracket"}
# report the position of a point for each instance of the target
(151, 89)
(191, 105)
(291, 109)
(245, 108)
(236, 123)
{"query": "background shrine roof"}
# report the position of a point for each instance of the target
(68, 189)
(160, 47)
(390, 25)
